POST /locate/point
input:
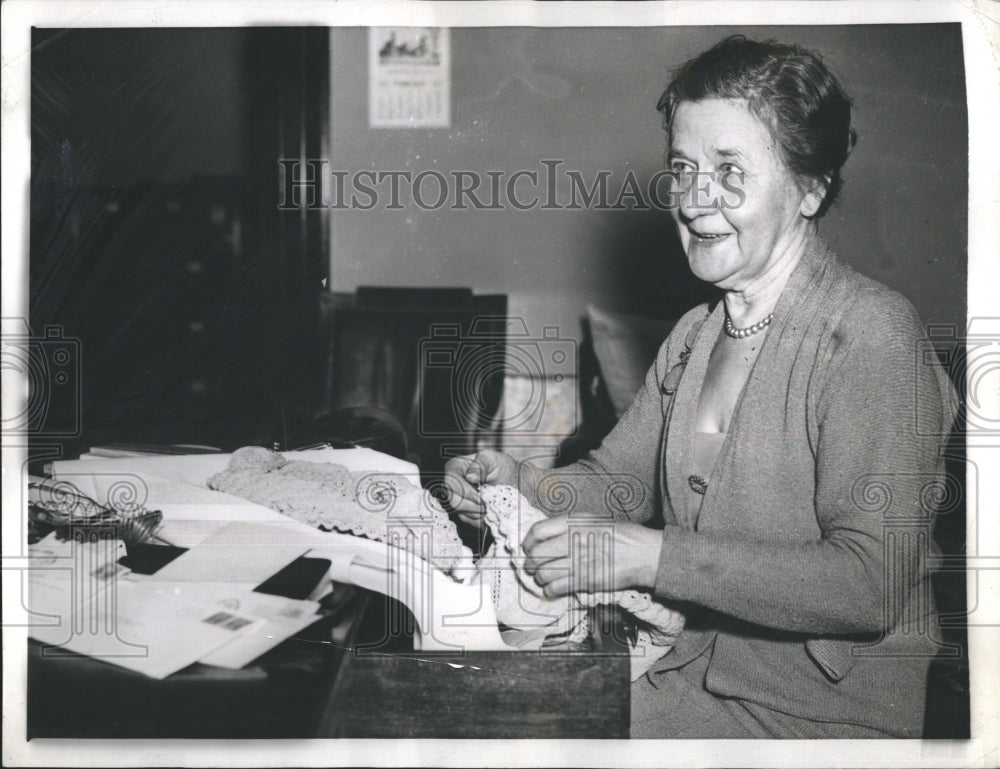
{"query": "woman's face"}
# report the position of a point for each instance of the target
(741, 209)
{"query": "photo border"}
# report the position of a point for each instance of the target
(981, 41)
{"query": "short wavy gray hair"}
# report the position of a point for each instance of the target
(789, 89)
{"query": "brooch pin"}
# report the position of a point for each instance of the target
(698, 484)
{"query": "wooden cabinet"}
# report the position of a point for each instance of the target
(156, 238)
(432, 358)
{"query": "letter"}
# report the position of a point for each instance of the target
(511, 190)
(674, 194)
(709, 201)
(364, 188)
(462, 190)
(442, 189)
(737, 190)
(394, 177)
(341, 202)
(577, 185)
(631, 189)
(495, 204)
(551, 191)
(290, 185)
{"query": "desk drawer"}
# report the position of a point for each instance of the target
(385, 691)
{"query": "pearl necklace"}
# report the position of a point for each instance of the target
(740, 333)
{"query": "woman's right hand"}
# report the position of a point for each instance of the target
(463, 476)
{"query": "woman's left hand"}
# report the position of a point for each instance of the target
(574, 554)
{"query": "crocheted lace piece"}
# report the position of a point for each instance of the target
(382, 506)
(517, 599)
(520, 603)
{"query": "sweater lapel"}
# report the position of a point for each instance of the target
(762, 392)
(680, 433)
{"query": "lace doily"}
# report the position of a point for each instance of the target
(382, 506)
(520, 602)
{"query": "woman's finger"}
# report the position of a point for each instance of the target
(552, 572)
(475, 473)
(590, 565)
(543, 530)
(496, 468)
(472, 518)
(559, 578)
(460, 481)
(580, 566)
(541, 553)
(558, 587)
(465, 467)
(465, 499)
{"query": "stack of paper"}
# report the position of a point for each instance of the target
(83, 601)
(449, 615)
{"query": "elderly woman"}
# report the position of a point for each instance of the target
(777, 441)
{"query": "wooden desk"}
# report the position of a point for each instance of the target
(365, 683)
(280, 695)
(384, 689)
(308, 687)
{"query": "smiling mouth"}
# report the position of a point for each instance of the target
(708, 238)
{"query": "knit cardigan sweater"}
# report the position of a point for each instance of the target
(808, 564)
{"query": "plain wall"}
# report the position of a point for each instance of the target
(587, 97)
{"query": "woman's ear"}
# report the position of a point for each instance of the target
(815, 193)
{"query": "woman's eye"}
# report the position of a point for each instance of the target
(680, 165)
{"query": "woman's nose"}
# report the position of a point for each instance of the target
(696, 195)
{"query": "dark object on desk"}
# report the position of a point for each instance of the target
(115, 450)
(59, 507)
(401, 298)
(384, 689)
(298, 579)
(149, 559)
(344, 428)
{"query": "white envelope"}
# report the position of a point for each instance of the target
(280, 618)
(241, 551)
(66, 577)
(148, 628)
